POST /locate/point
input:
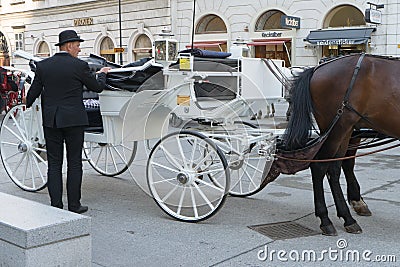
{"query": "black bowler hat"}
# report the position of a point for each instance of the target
(68, 36)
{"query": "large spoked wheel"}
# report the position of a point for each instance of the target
(246, 166)
(188, 176)
(110, 159)
(22, 148)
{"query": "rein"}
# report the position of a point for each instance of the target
(337, 159)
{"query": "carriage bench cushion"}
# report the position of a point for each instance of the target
(33, 234)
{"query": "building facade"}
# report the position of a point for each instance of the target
(298, 32)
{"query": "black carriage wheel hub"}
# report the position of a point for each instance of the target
(182, 178)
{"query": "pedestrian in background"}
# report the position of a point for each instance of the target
(59, 80)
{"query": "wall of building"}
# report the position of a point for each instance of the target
(42, 20)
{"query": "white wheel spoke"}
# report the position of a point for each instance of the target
(204, 159)
(164, 180)
(39, 157)
(209, 185)
(193, 152)
(9, 143)
(39, 170)
(171, 158)
(211, 171)
(254, 168)
(181, 201)
(181, 151)
(170, 193)
(196, 213)
(164, 167)
(13, 133)
(250, 178)
(204, 197)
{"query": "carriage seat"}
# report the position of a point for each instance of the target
(131, 76)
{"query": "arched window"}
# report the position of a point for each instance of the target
(43, 50)
(107, 49)
(270, 20)
(142, 47)
(211, 24)
(344, 16)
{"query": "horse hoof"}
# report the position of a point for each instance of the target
(360, 207)
(353, 229)
(328, 230)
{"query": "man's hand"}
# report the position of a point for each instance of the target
(104, 69)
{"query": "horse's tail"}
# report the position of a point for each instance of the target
(300, 123)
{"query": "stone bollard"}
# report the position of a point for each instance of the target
(33, 234)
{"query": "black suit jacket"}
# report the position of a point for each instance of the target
(59, 80)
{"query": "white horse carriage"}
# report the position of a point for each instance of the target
(196, 109)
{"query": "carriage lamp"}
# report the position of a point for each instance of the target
(165, 48)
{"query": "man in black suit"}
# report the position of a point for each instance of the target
(59, 80)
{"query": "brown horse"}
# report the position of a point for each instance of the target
(355, 91)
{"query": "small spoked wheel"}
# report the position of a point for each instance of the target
(110, 159)
(22, 148)
(188, 176)
(246, 166)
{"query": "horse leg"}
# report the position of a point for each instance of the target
(342, 209)
(318, 171)
(353, 188)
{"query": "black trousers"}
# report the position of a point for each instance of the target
(73, 139)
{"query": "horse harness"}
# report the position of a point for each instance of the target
(345, 104)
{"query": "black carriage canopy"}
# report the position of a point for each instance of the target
(340, 37)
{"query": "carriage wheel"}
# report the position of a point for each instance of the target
(109, 159)
(188, 176)
(245, 164)
(23, 151)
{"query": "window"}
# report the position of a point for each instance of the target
(107, 49)
(19, 41)
(43, 50)
(211, 24)
(142, 47)
(270, 20)
(4, 56)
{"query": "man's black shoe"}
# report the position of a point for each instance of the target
(81, 209)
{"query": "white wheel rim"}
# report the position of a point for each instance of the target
(187, 177)
(22, 147)
(110, 159)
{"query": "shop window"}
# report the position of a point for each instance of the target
(211, 24)
(107, 49)
(43, 50)
(279, 51)
(4, 53)
(142, 47)
(270, 20)
(343, 16)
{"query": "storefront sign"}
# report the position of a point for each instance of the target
(373, 16)
(290, 22)
(83, 22)
(271, 34)
(336, 42)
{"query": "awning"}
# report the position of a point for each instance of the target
(206, 44)
(275, 42)
(340, 37)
